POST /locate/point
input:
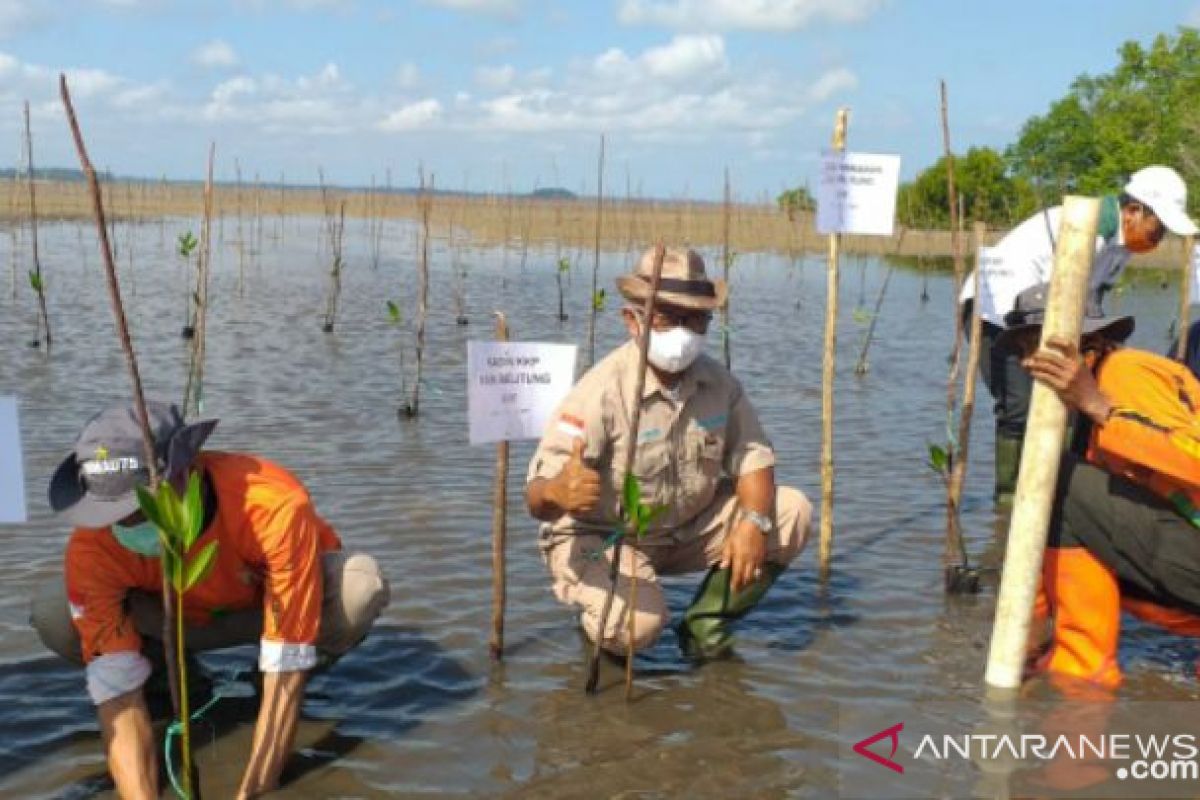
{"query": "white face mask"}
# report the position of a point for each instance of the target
(675, 350)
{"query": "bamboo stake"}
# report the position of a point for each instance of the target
(1185, 297)
(39, 285)
(499, 528)
(1042, 450)
(139, 399)
(959, 576)
(825, 551)
(591, 352)
(726, 263)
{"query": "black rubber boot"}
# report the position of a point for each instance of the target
(1008, 466)
(704, 633)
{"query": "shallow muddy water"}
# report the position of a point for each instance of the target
(418, 708)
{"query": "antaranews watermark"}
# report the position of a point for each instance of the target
(1112, 749)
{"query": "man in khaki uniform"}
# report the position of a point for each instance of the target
(701, 453)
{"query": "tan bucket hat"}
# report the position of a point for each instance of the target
(684, 283)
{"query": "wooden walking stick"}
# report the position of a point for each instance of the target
(1185, 297)
(825, 551)
(139, 399)
(499, 527)
(1042, 450)
(635, 420)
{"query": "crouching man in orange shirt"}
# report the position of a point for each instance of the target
(280, 578)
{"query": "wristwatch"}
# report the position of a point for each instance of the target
(761, 521)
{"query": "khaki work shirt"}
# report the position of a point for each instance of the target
(688, 440)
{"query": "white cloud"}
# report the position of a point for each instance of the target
(754, 15)
(685, 57)
(831, 83)
(497, 8)
(319, 103)
(412, 116)
(217, 54)
(495, 78)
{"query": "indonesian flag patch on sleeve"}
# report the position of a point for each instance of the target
(570, 425)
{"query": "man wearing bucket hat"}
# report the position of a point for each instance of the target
(1123, 532)
(701, 453)
(280, 579)
(1153, 202)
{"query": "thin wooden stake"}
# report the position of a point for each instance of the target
(959, 577)
(950, 544)
(825, 551)
(499, 528)
(1042, 450)
(139, 398)
(1185, 297)
(39, 283)
(726, 262)
(591, 352)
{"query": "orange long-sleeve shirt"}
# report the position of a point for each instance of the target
(270, 545)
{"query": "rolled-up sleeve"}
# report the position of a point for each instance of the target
(747, 448)
(293, 589)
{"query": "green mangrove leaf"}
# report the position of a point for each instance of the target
(187, 243)
(192, 512)
(35, 281)
(199, 567)
(393, 313)
(148, 504)
(939, 459)
(564, 265)
(598, 299)
(862, 316)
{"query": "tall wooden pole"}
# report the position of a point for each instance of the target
(825, 552)
(135, 378)
(1185, 297)
(499, 528)
(1042, 450)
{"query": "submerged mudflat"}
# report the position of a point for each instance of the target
(419, 708)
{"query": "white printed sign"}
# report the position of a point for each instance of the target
(1195, 298)
(12, 475)
(858, 193)
(997, 285)
(513, 388)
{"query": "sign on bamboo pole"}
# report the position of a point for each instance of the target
(512, 391)
(1187, 292)
(827, 371)
(1042, 450)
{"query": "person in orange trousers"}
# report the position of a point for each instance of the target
(1123, 534)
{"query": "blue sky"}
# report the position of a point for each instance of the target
(491, 94)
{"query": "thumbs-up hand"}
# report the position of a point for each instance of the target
(577, 488)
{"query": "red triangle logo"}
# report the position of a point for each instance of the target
(893, 734)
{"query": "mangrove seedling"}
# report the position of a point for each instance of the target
(186, 245)
(564, 268)
(35, 283)
(180, 521)
(598, 300)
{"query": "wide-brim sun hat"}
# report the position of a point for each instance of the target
(683, 283)
(96, 485)
(1165, 193)
(1029, 313)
